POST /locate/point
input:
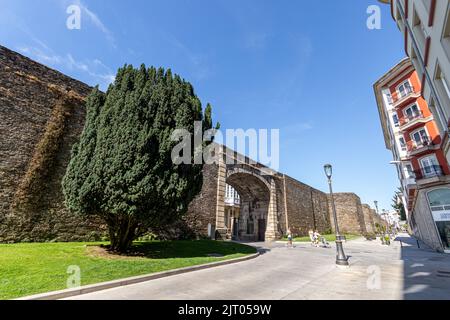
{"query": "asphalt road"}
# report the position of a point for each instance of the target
(305, 272)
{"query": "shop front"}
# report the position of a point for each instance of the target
(439, 201)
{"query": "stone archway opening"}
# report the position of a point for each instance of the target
(249, 222)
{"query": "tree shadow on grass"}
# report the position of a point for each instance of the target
(188, 249)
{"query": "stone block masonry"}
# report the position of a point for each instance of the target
(41, 116)
(307, 208)
(349, 212)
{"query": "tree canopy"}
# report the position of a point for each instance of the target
(121, 169)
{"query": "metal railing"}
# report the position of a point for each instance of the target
(431, 171)
(412, 117)
(416, 145)
(400, 97)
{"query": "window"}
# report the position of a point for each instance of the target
(402, 143)
(430, 167)
(412, 112)
(420, 137)
(419, 31)
(409, 172)
(404, 89)
(439, 201)
(443, 89)
(389, 98)
(395, 120)
(446, 36)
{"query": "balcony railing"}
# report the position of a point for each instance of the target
(406, 94)
(232, 201)
(415, 116)
(416, 145)
(430, 172)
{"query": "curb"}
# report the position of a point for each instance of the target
(61, 294)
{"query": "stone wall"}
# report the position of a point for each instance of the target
(42, 115)
(368, 218)
(33, 157)
(202, 210)
(349, 213)
(307, 208)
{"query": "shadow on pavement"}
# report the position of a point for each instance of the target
(426, 273)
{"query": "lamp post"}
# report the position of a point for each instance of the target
(387, 218)
(341, 259)
(382, 236)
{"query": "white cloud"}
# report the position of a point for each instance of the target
(95, 69)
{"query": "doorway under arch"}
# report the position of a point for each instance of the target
(254, 194)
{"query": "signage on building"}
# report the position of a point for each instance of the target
(441, 216)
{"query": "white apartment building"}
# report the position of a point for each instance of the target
(426, 28)
(232, 211)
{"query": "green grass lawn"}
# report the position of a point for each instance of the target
(27, 269)
(328, 237)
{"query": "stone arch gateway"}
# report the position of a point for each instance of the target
(271, 203)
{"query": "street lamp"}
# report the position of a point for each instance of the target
(382, 235)
(341, 259)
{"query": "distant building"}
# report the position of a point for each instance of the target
(392, 218)
(425, 25)
(411, 133)
(232, 211)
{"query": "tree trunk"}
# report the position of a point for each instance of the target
(122, 232)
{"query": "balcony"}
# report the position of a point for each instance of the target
(430, 172)
(417, 147)
(409, 93)
(232, 201)
(411, 120)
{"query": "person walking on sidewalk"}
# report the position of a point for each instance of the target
(289, 236)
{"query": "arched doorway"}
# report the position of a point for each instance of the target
(254, 194)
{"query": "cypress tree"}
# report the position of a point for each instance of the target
(121, 169)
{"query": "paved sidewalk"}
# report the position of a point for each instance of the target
(305, 272)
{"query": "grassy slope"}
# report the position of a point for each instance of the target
(27, 269)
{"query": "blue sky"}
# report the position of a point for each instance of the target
(304, 67)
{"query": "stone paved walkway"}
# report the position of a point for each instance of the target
(401, 271)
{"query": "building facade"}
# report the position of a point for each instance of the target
(232, 212)
(412, 134)
(425, 25)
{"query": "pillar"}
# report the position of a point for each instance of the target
(272, 233)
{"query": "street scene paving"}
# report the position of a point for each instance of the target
(304, 272)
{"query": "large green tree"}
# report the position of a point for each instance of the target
(397, 204)
(122, 169)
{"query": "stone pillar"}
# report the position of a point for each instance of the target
(272, 233)
(221, 230)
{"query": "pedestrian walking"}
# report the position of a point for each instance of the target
(289, 236)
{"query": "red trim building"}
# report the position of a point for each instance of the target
(412, 135)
